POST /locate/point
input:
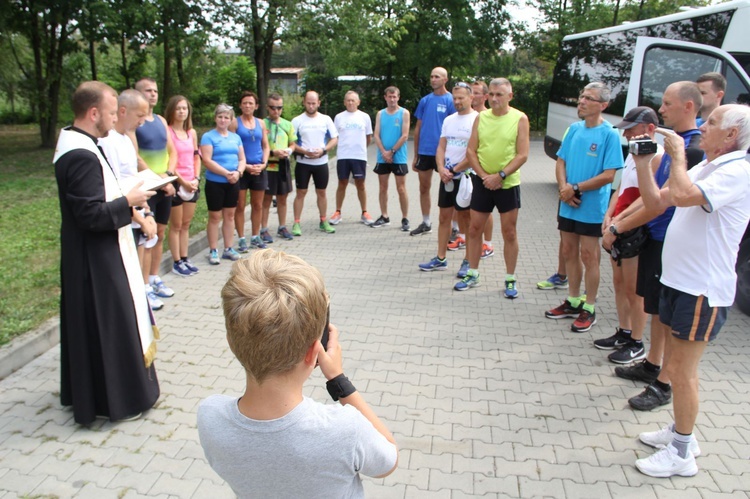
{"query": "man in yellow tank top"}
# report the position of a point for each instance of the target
(498, 147)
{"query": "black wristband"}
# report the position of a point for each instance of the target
(340, 387)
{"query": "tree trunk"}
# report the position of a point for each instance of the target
(166, 89)
(92, 59)
(180, 68)
(124, 54)
(617, 11)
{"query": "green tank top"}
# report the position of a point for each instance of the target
(497, 143)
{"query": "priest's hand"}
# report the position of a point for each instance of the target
(137, 196)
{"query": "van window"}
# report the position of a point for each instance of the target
(737, 92)
(608, 57)
(663, 66)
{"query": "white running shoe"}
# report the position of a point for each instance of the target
(665, 463)
(662, 438)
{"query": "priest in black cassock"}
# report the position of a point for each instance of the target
(106, 332)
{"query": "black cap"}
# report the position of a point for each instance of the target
(640, 114)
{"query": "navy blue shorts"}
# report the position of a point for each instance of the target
(354, 167)
(690, 317)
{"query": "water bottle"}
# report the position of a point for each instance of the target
(449, 186)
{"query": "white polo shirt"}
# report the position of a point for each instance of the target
(701, 244)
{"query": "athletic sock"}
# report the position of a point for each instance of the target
(681, 443)
(588, 307)
(462, 236)
(152, 279)
(454, 225)
(662, 386)
(574, 302)
(488, 243)
(652, 368)
(426, 219)
(625, 332)
(510, 277)
(474, 272)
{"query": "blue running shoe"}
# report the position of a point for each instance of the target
(181, 269)
(257, 242)
(284, 232)
(464, 270)
(242, 246)
(192, 268)
(230, 254)
(434, 264)
(470, 281)
(553, 282)
(213, 257)
(511, 291)
(266, 236)
(161, 289)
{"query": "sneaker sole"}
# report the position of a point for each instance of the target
(622, 374)
(420, 233)
(379, 226)
(645, 408)
(564, 316)
(466, 288)
(613, 347)
(334, 223)
(433, 269)
(641, 356)
(484, 257)
(582, 330)
(550, 288)
(457, 248)
(176, 272)
(407, 229)
(691, 471)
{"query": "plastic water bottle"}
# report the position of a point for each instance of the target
(449, 186)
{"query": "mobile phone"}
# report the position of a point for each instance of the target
(324, 339)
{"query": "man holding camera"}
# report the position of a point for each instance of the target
(712, 211)
(680, 105)
(587, 161)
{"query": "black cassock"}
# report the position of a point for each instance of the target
(102, 366)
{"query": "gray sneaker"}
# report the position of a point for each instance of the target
(651, 398)
(405, 224)
(422, 229)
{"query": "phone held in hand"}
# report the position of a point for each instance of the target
(324, 339)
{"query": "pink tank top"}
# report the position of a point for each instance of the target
(185, 154)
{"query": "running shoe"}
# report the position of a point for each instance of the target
(154, 302)
(257, 242)
(230, 254)
(487, 251)
(405, 225)
(564, 311)
(553, 282)
(470, 281)
(213, 257)
(423, 228)
(631, 352)
(637, 372)
(511, 291)
(650, 398)
(584, 322)
(617, 340)
(192, 268)
(335, 218)
(366, 219)
(661, 438)
(459, 243)
(266, 236)
(666, 463)
(381, 222)
(463, 270)
(326, 227)
(296, 229)
(242, 246)
(454, 235)
(284, 232)
(161, 289)
(434, 264)
(181, 269)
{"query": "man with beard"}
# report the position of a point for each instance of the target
(106, 337)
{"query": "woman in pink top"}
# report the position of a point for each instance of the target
(179, 118)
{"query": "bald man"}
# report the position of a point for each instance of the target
(316, 136)
(431, 112)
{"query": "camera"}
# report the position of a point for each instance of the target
(642, 146)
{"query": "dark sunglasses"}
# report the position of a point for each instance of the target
(276, 108)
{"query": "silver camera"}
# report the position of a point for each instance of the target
(642, 146)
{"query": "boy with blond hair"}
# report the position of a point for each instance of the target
(273, 441)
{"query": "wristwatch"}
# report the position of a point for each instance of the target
(613, 230)
(502, 175)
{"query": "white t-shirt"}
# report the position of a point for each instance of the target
(314, 451)
(314, 133)
(457, 131)
(353, 129)
(120, 152)
(700, 247)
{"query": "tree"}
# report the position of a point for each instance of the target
(49, 26)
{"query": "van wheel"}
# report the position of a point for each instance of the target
(742, 299)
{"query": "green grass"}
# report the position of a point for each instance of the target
(30, 232)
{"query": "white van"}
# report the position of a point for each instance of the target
(639, 60)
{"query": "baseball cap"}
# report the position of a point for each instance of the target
(640, 114)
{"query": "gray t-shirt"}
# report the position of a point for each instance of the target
(315, 450)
